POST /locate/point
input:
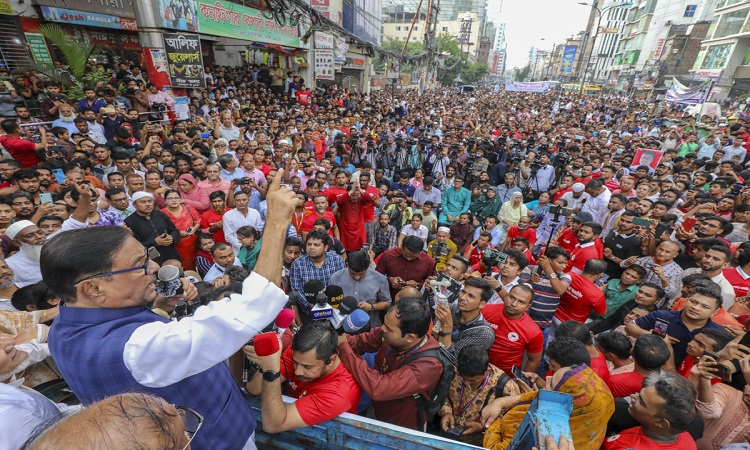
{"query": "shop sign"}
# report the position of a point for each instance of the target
(324, 64)
(6, 8)
(39, 49)
(659, 48)
(340, 48)
(185, 60)
(323, 40)
(709, 73)
(108, 39)
(354, 63)
(224, 18)
(118, 8)
(88, 19)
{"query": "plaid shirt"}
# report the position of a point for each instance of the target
(384, 238)
(303, 270)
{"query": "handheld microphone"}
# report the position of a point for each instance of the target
(266, 344)
(168, 283)
(283, 320)
(311, 289)
(348, 305)
(294, 298)
(355, 321)
(334, 294)
(321, 310)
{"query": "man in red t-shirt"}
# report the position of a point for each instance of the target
(515, 332)
(521, 230)
(583, 296)
(22, 150)
(665, 408)
(321, 212)
(212, 220)
(650, 353)
(314, 375)
(586, 248)
(739, 277)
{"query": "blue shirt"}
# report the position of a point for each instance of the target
(407, 190)
(497, 235)
(454, 203)
(303, 270)
(98, 104)
(677, 329)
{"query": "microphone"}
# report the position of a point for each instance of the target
(266, 344)
(168, 283)
(294, 298)
(334, 294)
(355, 321)
(311, 290)
(321, 310)
(348, 305)
(283, 320)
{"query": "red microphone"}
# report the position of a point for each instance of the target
(283, 320)
(266, 344)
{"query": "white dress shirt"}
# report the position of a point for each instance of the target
(233, 220)
(597, 206)
(216, 271)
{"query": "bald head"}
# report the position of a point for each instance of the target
(408, 292)
(120, 422)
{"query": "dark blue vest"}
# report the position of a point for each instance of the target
(88, 344)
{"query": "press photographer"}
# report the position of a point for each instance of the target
(441, 249)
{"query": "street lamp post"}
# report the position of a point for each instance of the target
(593, 38)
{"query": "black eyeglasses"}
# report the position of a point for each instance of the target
(145, 267)
(192, 420)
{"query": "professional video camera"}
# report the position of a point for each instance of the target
(561, 211)
(493, 258)
(440, 249)
(158, 107)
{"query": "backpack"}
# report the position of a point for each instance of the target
(440, 392)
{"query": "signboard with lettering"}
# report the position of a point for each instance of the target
(323, 40)
(659, 48)
(185, 60)
(39, 49)
(354, 63)
(224, 18)
(119, 8)
(340, 48)
(89, 19)
(324, 64)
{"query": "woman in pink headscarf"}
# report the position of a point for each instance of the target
(192, 194)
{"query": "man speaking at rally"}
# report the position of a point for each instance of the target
(106, 341)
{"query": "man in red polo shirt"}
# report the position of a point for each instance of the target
(321, 212)
(586, 247)
(521, 230)
(583, 296)
(568, 237)
(650, 353)
(739, 277)
(515, 331)
(22, 150)
(314, 375)
(665, 408)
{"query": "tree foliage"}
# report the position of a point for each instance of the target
(523, 73)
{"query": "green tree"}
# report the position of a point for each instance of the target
(523, 73)
(474, 72)
(396, 46)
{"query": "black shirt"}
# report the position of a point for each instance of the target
(146, 231)
(622, 247)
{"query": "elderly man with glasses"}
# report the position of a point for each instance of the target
(108, 342)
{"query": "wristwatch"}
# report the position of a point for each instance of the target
(270, 375)
(553, 275)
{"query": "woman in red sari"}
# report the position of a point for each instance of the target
(188, 221)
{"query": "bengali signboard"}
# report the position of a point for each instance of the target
(341, 46)
(323, 40)
(519, 86)
(224, 18)
(184, 59)
(679, 93)
(659, 48)
(568, 58)
(88, 19)
(118, 8)
(324, 64)
(39, 49)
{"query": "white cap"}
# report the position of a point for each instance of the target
(444, 229)
(13, 230)
(578, 187)
(140, 194)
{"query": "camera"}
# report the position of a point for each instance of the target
(561, 210)
(243, 180)
(129, 92)
(159, 107)
(440, 249)
(493, 258)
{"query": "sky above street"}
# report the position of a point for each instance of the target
(536, 23)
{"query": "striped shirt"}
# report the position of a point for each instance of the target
(545, 300)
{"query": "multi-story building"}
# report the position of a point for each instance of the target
(648, 24)
(725, 53)
(607, 39)
(397, 25)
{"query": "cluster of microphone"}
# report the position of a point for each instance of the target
(330, 303)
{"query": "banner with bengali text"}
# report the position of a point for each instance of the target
(224, 18)
(185, 60)
(679, 93)
(520, 86)
(324, 64)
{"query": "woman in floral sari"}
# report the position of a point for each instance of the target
(593, 403)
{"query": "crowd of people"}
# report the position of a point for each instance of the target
(445, 259)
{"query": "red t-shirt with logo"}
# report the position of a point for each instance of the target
(567, 240)
(324, 398)
(580, 255)
(633, 438)
(741, 286)
(580, 299)
(529, 234)
(512, 337)
(307, 224)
